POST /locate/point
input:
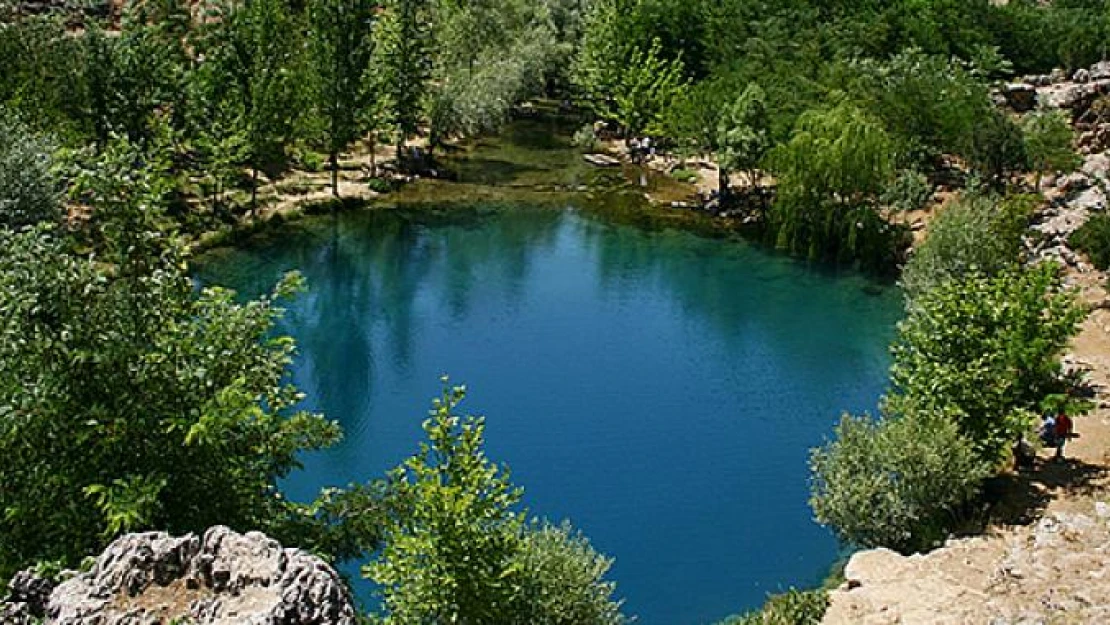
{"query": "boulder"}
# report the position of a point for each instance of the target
(1090, 200)
(222, 578)
(1081, 76)
(1100, 70)
(1073, 183)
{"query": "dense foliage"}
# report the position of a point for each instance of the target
(457, 550)
(793, 607)
(986, 350)
(129, 400)
(975, 234)
(895, 482)
(29, 189)
(1093, 239)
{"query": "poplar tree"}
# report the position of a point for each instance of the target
(254, 48)
(404, 64)
(340, 48)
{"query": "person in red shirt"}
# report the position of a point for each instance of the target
(1063, 431)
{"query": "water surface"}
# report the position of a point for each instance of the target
(658, 389)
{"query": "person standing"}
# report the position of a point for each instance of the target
(1062, 432)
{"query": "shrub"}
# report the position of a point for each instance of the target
(562, 579)
(793, 607)
(1093, 239)
(975, 234)
(380, 185)
(312, 161)
(29, 190)
(909, 191)
(685, 175)
(585, 139)
(896, 482)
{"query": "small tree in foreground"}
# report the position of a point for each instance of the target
(457, 551)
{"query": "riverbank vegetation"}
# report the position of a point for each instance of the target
(129, 400)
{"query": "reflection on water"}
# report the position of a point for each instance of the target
(658, 388)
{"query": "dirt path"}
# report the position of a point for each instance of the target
(1049, 563)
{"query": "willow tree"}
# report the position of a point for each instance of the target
(830, 175)
(340, 48)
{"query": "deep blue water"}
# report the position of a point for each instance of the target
(658, 389)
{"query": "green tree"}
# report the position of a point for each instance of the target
(253, 46)
(645, 90)
(743, 137)
(1048, 143)
(131, 400)
(457, 551)
(403, 61)
(898, 482)
(831, 174)
(340, 49)
(985, 350)
(29, 189)
(929, 103)
(996, 148)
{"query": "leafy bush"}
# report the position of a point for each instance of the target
(985, 350)
(380, 185)
(457, 550)
(793, 607)
(562, 579)
(684, 175)
(29, 190)
(1093, 239)
(585, 139)
(974, 234)
(895, 482)
(1048, 142)
(909, 191)
(312, 161)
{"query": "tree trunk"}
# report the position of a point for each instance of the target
(722, 183)
(254, 190)
(334, 160)
(373, 158)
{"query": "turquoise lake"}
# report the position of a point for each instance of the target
(659, 389)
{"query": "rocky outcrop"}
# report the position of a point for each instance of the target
(222, 578)
(1085, 97)
(1055, 571)
(1071, 200)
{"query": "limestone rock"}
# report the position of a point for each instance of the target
(1057, 571)
(222, 578)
